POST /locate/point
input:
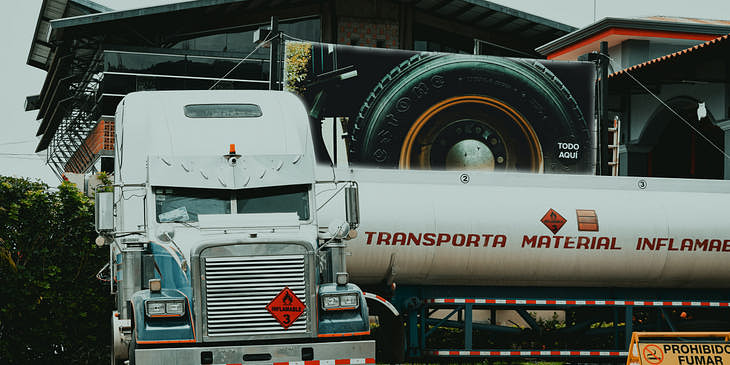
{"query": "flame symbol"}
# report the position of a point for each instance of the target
(287, 299)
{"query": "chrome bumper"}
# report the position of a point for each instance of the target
(345, 352)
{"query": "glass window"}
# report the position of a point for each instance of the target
(184, 205)
(427, 38)
(242, 41)
(281, 199)
(222, 111)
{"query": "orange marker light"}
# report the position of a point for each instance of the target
(233, 149)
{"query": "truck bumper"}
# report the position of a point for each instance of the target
(344, 352)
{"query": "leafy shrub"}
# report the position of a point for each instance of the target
(52, 309)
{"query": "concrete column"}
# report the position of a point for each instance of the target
(725, 126)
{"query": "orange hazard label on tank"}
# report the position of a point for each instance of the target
(286, 307)
(553, 221)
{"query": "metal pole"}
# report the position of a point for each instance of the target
(334, 141)
(602, 112)
(274, 59)
(468, 327)
(629, 327)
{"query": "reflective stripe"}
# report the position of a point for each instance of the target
(586, 302)
(382, 301)
(504, 353)
(364, 333)
(328, 362)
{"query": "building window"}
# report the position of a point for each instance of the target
(427, 38)
(242, 41)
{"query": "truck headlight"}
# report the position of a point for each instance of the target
(349, 300)
(340, 301)
(165, 308)
(330, 301)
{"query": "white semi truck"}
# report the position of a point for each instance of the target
(218, 253)
(230, 244)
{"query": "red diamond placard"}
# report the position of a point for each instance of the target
(286, 307)
(553, 220)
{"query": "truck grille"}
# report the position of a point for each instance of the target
(238, 289)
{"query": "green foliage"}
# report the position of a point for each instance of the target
(298, 57)
(52, 308)
(105, 180)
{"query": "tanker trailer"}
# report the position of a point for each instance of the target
(466, 258)
(459, 249)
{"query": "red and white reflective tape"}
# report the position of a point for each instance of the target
(523, 353)
(328, 362)
(382, 301)
(639, 303)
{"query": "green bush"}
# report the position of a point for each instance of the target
(52, 308)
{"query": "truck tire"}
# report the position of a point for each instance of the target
(465, 112)
(133, 348)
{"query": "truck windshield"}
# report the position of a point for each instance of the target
(283, 199)
(185, 204)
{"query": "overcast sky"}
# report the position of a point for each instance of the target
(18, 20)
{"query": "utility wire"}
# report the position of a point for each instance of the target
(673, 111)
(266, 40)
(17, 142)
(17, 154)
(21, 158)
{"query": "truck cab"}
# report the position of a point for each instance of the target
(215, 246)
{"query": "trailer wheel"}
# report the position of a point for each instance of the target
(462, 112)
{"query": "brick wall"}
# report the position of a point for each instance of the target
(100, 139)
(367, 33)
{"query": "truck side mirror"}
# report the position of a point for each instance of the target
(104, 211)
(352, 206)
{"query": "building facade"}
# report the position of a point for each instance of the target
(94, 59)
(669, 85)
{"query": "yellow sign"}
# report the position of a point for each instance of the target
(664, 348)
(685, 353)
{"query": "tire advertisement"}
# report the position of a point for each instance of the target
(414, 110)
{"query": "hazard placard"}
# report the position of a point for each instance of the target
(553, 221)
(286, 307)
(685, 353)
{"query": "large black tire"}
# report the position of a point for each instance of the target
(466, 112)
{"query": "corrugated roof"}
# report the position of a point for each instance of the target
(679, 19)
(40, 48)
(663, 24)
(474, 9)
(687, 51)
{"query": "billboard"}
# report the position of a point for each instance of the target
(416, 110)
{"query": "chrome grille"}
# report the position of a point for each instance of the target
(238, 289)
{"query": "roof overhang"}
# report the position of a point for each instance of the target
(164, 25)
(41, 48)
(708, 62)
(480, 15)
(616, 30)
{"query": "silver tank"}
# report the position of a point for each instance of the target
(476, 228)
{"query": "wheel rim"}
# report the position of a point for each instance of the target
(471, 132)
